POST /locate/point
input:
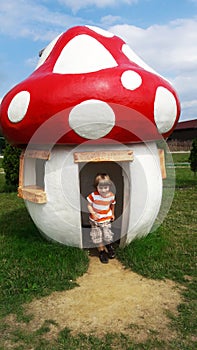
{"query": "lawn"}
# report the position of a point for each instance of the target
(1, 161)
(180, 157)
(169, 252)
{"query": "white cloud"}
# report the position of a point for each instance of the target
(169, 47)
(32, 62)
(76, 5)
(28, 19)
(172, 51)
(189, 104)
(109, 20)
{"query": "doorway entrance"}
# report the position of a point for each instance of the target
(87, 173)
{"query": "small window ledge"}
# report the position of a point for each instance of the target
(31, 193)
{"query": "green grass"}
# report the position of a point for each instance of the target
(21, 279)
(2, 183)
(185, 178)
(169, 252)
(180, 157)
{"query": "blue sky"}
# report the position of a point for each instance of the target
(162, 32)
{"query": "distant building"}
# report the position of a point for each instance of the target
(182, 136)
(186, 130)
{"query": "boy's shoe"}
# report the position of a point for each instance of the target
(103, 257)
(111, 251)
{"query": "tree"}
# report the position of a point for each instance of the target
(193, 157)
(2, 144)
(11, 165)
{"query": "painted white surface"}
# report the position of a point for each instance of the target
(146, 190)
(132, 56)
(18, 106)
(74, 57)
(101, 31)
(60, 218)
(131, 80)
(165, 109)
(46, 52)
(82, 122)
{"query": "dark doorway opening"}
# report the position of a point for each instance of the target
(87, 173)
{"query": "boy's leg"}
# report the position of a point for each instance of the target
(103, 255)
(108, 237)
(111, 251)
(95, 233)
(97, 238)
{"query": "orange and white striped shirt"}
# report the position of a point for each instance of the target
(101, 205)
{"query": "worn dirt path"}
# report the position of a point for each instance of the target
(109, 298)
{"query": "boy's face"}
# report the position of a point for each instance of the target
(103, 190)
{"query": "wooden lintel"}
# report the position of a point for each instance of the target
(162, 163)
(103, 156)
(21, 169)
(39, 154)
(33, 194)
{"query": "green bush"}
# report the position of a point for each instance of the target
(2, 144)
(11, 166)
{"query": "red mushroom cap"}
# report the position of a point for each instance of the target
(90, 85)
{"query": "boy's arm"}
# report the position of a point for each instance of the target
(113, 211)
(91, 211)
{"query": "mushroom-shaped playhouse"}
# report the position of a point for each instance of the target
(91, 105)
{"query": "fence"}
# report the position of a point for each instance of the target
(177, 145)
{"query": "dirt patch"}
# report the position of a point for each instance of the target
(109, 298)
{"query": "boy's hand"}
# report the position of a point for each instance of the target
(95, 216)
(113, 217)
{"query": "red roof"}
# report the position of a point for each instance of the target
(189, 124)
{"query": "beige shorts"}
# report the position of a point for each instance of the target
(101, 232)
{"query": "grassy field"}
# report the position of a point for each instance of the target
(180, 157)
(1, 160)
(169, 252)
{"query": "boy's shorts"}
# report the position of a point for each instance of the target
(101, 232)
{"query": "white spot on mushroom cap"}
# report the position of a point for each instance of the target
(165, 109)
(46, 52)
(92, 119)
(101, 31)
(131, 55)
(18, 106)
(131, 80)
(83, 54)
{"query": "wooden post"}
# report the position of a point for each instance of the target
(162, 163)
(21, 169)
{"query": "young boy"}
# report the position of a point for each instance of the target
(101, 204)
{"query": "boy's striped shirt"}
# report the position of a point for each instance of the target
(101, 205)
